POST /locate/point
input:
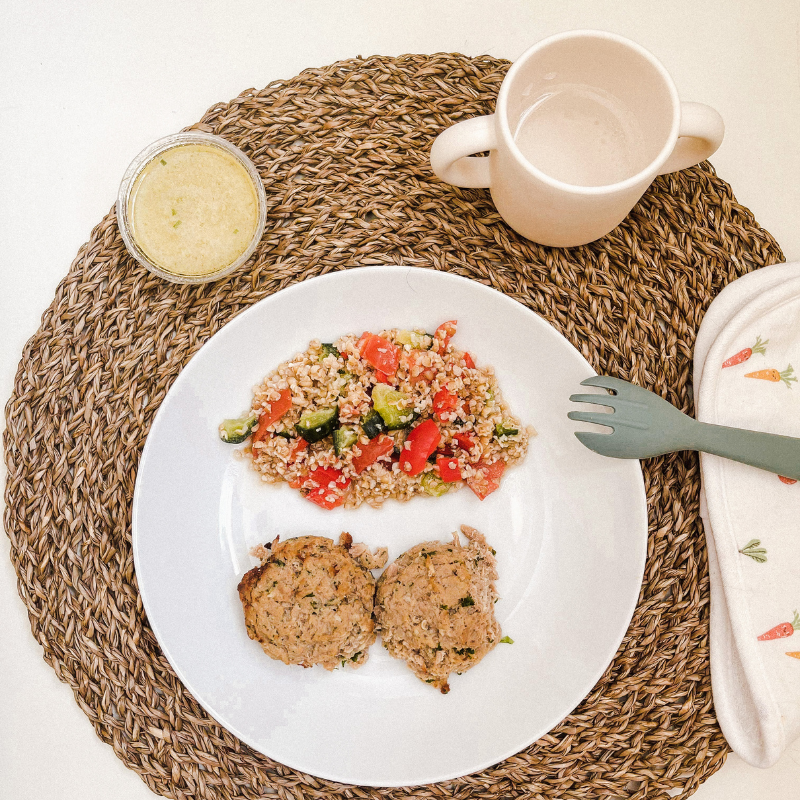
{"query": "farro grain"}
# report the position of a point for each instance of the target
(318, 381)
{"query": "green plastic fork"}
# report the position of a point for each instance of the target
(645, 425)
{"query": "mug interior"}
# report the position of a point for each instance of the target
(590, 109)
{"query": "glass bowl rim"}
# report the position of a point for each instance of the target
(136, 167)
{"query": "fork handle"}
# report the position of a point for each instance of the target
(778, 454)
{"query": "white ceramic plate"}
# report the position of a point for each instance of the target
(569, 527)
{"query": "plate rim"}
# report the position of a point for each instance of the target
(537, 319)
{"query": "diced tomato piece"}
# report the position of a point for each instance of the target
(277, 409)
(322, 497)
(360, 343)
(418, 372)
(382, 377)
(468, 362)
(449, 471)
(490, 481)
(301, 445)
(370, 453)
(419, 444)
(324, 476)
(380, 353)
(444, 402)
(465, 441)
(320, 480)
(444, 333)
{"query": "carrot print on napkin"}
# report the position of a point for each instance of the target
(744, 355)
(787, 376)
(781, 631)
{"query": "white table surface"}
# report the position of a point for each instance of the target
(85, 86)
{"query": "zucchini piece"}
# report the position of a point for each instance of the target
(235, 431)
(399, 440)
(393, 406)
(373, 424)
(419, 341)
(329, 350)
(343, 439)
(316, 425)
(433, 485)
(414, 418)
(344, 379)
(502, 429)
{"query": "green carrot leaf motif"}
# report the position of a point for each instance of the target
(754, 550)
(787, 376)
(759, 346)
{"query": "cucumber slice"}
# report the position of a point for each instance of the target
(284, 434)
(235, 431)
(393, 406)
(433, 485)
(344, 379)
(328, 349)
(399, 440)
(373, 424)
(503, 429)
(316, 425)
(419, 341)
(343, 439)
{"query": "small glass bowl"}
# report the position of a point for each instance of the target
(129, 181)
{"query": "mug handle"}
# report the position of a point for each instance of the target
(451, 148)
(699, 136)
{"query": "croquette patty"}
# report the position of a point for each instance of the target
(310, 602)
(434, 607)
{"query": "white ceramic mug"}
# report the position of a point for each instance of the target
(584, 121)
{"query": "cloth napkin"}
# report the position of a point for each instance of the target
(744, 377)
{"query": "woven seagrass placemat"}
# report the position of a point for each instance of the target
(343, 154)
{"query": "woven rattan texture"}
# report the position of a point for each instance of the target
(343, 155)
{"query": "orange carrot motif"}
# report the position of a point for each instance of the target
(781, 631)
(787, 481)
(794, 654)
(743, 355)
(787, 376)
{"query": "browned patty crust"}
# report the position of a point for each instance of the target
(310, 602)
(434, 607)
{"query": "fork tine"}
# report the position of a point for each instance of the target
(605, 382)
(596, 417)
(598, 399)
(594, 441)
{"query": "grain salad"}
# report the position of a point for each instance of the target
(381, 416)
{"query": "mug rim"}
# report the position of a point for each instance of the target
(648, 173)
